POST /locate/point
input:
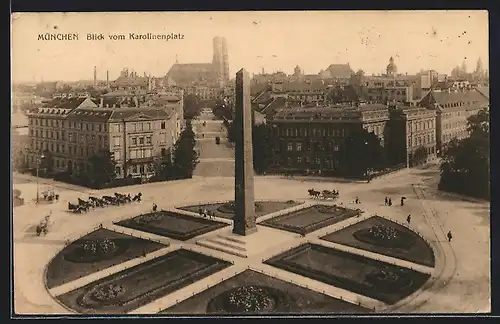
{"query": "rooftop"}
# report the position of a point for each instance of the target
(338, 111)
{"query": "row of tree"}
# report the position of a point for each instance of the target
(223, 110)
(192, 106)
(184, 159)
(465, 165)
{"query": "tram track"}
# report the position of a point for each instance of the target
(449, 258)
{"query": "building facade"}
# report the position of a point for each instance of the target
(314, 138)
(411, 128)
(453, 108)
(71, 133)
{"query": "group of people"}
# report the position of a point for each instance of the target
(203, 212)
(388, 201)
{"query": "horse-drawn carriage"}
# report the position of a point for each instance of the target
(49, 195)
(43, 226)
(93, 202)
(325, 194)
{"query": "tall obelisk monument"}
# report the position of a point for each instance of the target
(245, 217)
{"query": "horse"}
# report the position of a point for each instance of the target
(313, 193)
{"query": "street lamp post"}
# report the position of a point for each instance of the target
(38, 162)
(366, 159)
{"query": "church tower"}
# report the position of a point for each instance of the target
(220, 59)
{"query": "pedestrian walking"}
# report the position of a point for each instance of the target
(154, 207)
(402, 201)
(449, 236)
(386, 201)
(357, 200)
(408, 219)
(390, 202)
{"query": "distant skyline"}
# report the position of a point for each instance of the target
(438, 40)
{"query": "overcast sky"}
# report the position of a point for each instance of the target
(437, 40)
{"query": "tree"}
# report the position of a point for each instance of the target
(185, 156)
(223, 110)
(419, 156)
(362, 152)
(262, 137)
(231, 131)
(465, 163)
(192, 106)
(102, 167)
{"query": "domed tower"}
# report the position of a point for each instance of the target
(392, 69)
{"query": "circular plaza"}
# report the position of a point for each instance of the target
(308, 255)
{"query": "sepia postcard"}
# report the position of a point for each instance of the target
(250, 163)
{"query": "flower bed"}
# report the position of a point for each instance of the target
(97, 250)
(386, 236)
(246, 299)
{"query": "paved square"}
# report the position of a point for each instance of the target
(226, 210)
(141, 284)
(171, 224)
(380, 235)
(94, 252)
(368, 277)
(310, 219)
(258, 293)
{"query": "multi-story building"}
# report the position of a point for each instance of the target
(453, 108)
(385, 89)
(313, 138)
(71, 131)
(411, 128)
(48, 130)
(131, 81)
(140, 137)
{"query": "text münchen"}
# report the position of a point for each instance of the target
(49, 36)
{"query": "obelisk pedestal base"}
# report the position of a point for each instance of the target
(244, 231)
(249, 245)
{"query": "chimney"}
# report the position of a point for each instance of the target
(107, 77)
(95, 76)
(145, 74)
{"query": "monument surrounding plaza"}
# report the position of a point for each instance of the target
(245, 217)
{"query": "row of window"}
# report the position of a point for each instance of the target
(421, 140)
(460, 113)
(65, 149)
(459, 134)
(82, 139)
(139, 126)
(303, 131)
(459, 104)
(141, 140)
(455, 124)
(316, 162)
(40, 133)
(422, 125)
(318, 146)
(89, 127)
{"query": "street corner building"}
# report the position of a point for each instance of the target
(137, 131)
